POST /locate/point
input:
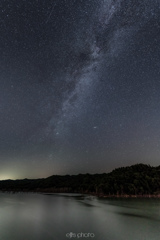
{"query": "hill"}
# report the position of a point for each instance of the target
(136, 180)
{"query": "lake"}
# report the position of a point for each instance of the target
(30, 216)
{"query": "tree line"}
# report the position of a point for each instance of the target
(139, 179)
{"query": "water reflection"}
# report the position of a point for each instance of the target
(51, 217)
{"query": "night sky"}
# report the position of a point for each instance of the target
(79, 86)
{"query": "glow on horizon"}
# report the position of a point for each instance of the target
(7, 177)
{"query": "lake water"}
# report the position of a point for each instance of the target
(73, 216)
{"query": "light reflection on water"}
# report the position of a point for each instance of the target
(51, 217)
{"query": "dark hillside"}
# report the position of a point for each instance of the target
(139, 179)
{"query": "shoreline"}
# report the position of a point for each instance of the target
(100, 195)
(131, 196)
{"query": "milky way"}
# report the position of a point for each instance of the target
(79, 86)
